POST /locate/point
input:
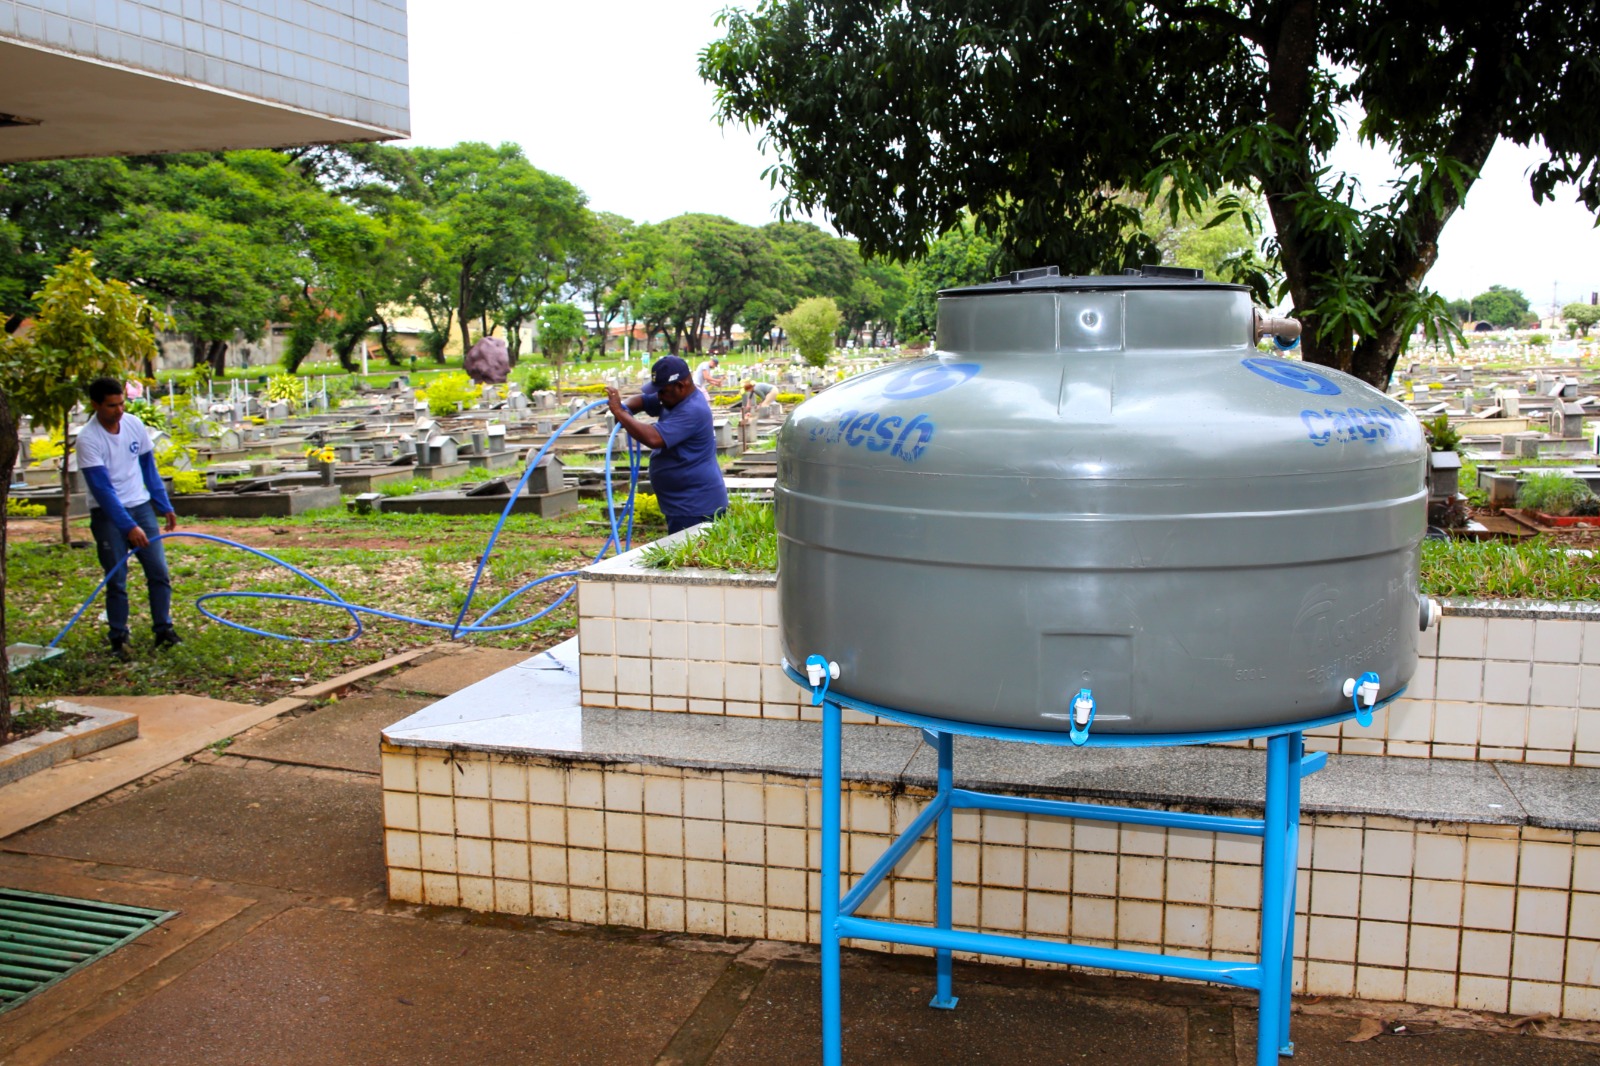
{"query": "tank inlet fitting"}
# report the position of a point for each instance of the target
(1285, 332)
(819, 671)
(1363, 694)
(1431, 611)
(1082, 715)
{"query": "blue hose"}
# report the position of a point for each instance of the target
(616, 539)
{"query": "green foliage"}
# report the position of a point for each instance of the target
(16, 508)
(188, 482)
(1442, 436)
(811, 326)
(1551, 493)
(561, 329)
(647, 511)
(152, 416)
(960, 256)
(42, 449)
(1500, 306)
(531, 378)
(286, 388)
(1533, 569)
(449, 393)
(1538, 340)
(86, 327)
(743, 539)
(789, 398)
(1584, 316)
(896, 121)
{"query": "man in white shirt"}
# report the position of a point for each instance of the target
(125, 496)
(706, 377)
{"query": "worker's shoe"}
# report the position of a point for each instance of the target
(168, 638)
(121, 652)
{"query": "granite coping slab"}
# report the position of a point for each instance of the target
(535, 709)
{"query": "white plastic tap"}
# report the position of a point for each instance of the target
(1367, 694)
(814, 673)
(1082, 708)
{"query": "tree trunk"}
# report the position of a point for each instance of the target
(462, 291)
(217, 356)
(8, 459)
(66, 478)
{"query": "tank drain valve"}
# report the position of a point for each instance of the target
(1284, 331)
(1082, 715)
(819, 671)
(1430, 613)
(1363, 693)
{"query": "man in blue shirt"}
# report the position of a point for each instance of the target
(683, 445)
(125, 496)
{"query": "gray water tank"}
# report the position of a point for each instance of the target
(1099, 482)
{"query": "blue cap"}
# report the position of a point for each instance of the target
(667, 369)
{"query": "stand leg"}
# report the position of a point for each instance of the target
(832, 774)
(1274, 922)
(1291, 784)
(944, 995)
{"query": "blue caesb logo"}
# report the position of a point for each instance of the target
(1292, 376)
(921, 381)
(904, 439)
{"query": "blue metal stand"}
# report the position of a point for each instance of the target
(1271, 975)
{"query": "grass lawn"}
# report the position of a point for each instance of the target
(418, 565)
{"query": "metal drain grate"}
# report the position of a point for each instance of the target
(45, 938)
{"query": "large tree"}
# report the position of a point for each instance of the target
(1036, 116)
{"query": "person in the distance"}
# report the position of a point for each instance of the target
(683, 445)
(125, 496)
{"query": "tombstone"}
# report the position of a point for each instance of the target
(1528, 446)
(548, 476)
(1509, 401)
(383, 450)
(543, 400)
(544, 427)
(1502, 490)
(1566, 419)
(347, 453)
(724, 433)
(1468, 402)
(480, 442)
(366, 503)
(516, 402)
(326, 472)
(1464, 375)
(405, 448)
(443, 450)
(1508, 443)
(277, 409)
(425, 428)
(159, 439)
(1444, 475)
(489, 396)
(229, 440)
(497, 439)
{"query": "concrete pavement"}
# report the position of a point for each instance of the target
(286, 950)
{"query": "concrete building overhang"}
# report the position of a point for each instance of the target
(55, 105)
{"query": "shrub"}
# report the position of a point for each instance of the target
(16, 508)
(533, 379)
(44, 449)
(188, 482)
(1551, 493)
(810, 326)
(450, 392)
(647, 511)
(1538, 340)
(1442, 437)
(286, 387)
(789, 397)
(148, 413)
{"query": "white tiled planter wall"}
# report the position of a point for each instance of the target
(1479, 917)
(696, 642)
(1486, 687)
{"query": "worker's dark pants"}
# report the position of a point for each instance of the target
(112, 547)
(677, 522)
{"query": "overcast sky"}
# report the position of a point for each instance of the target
(607, 97)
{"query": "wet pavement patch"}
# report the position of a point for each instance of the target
(451, 673)
(335, 987)
(343, 735)
(887, 1020)
(289, 829)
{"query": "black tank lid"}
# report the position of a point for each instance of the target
(1050, 279)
